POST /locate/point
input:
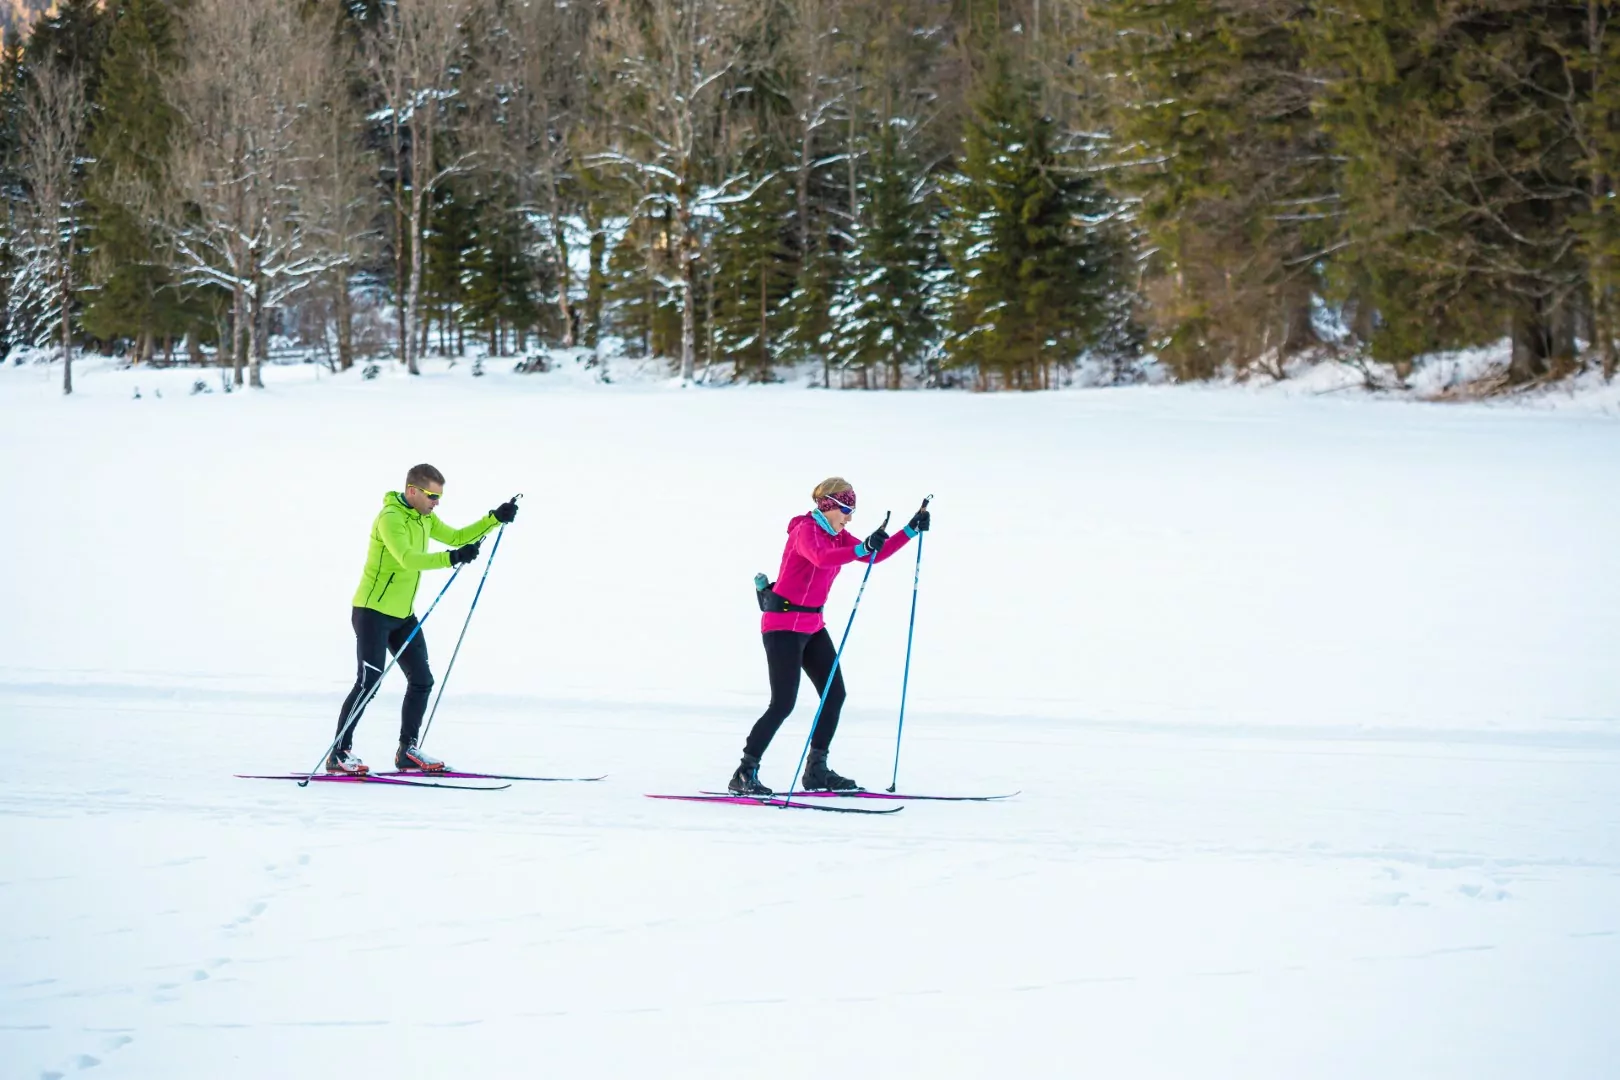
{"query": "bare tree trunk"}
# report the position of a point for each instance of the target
(343, 309)
(67, 326)
(688, 299)
(415, 288)
(1299, 333)
(1543, 334)
(565, 278)
(595, 285)
(256, 340)
(399, 260)
(710, 349)
(239, 332)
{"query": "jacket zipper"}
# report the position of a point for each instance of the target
(384, 592)
(411, 608)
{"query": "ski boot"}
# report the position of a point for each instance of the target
(344, 761)
(410, 759)
(818, 777)
(745, 781)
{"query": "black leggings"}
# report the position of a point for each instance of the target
(786, 652)
(376, 635)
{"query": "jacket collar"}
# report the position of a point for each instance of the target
(398, 498)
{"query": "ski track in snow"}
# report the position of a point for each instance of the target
(1312, 706)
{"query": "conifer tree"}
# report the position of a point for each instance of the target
(133, 293)
(1031, 285)
(884, 314)
(1465, 182)
(1217, 140)
(752, 274)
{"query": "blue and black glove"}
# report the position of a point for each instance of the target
(874, 543)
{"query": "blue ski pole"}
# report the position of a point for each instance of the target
(833, 674)
(905, 680)
(360, 706)
(468, 622)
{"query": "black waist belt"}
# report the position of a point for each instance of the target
(771, 600)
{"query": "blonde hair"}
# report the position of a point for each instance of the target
(833, 485)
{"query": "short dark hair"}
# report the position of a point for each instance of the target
(424, 474)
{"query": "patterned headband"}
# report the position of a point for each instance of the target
(843, 500)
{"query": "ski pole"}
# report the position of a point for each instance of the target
(360, 706)
(452, 665)
(833, 674)
(905, 680)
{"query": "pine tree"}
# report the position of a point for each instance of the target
(885, 314)
(1216, 136)
(449, 253)
(810, 331)
(499, 292)
(133, 292)
(1032, 285)
(752, 274)
(1465, 180)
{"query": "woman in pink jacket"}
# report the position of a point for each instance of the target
(796, 636)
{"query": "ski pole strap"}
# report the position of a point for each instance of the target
(771, 600)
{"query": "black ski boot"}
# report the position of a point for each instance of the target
(410, 759)
(818, 777)
(745, 781)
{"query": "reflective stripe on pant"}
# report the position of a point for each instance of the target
(376, 636)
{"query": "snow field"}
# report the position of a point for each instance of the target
(1310, 702)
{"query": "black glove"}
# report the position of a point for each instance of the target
(875, 542)
(919, 521)
(504, 513)
(465, 554)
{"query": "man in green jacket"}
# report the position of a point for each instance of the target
(384, 617)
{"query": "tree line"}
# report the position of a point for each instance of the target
(888, 192)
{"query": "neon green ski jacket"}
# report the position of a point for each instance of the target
(399, 553)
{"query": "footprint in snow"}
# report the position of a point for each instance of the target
(1482, 892)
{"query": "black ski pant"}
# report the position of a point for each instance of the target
(375, 636)
(787, 653)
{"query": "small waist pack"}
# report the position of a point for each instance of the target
(771, 600)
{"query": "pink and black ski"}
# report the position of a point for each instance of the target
(455, 774)
(763, 800)
(889, 795)
(393, 780)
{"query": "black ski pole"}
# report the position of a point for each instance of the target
(911, 630)
(468, 622)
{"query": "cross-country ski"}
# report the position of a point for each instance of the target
(779, 803)
(419, 780)
(902, 796)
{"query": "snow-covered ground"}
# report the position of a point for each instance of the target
(1312, 701)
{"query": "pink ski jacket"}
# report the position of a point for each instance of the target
(810, 565)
